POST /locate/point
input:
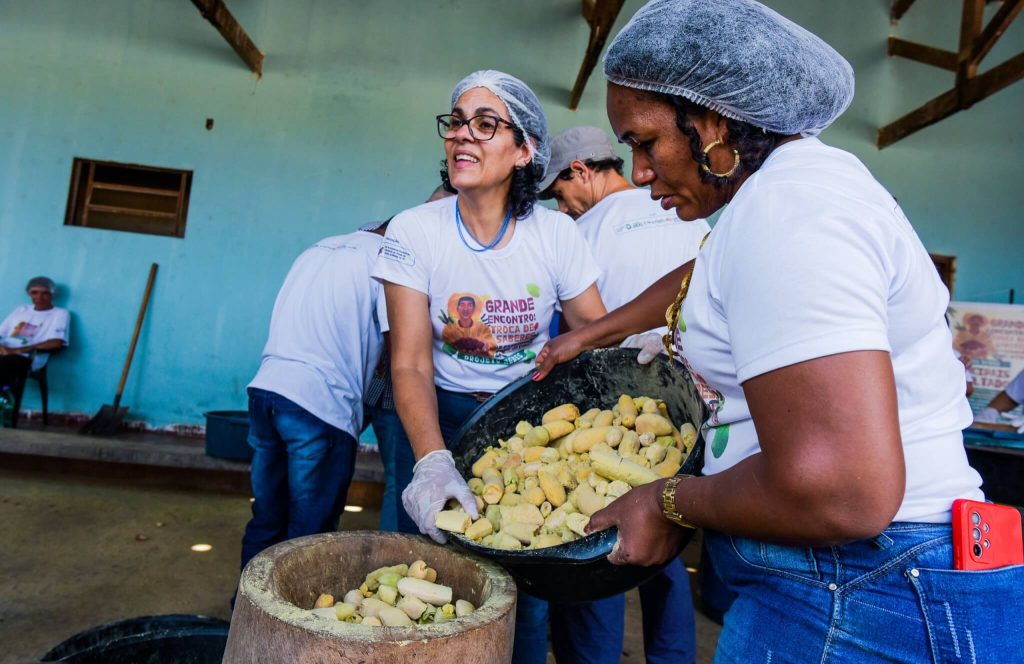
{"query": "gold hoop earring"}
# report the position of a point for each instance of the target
(707, 160)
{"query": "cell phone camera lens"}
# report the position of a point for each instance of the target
(975, 518)
(984, 527)
(976, 534)
(987, 543)
(977, 550)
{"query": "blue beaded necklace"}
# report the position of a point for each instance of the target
(460, 224)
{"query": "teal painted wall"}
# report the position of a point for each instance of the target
(340, 131)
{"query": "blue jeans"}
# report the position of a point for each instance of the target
(891, 598)
(395, 450)
(593, 633)
(531, 635)
(301, 469)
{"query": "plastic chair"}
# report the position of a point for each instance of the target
(44, 389)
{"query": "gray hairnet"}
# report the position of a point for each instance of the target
(524, 109)
(42, 282)
(736, 57)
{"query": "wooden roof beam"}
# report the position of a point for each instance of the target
(217, 13)
(995, 29)
(957, 99)
(600, 15)
(928, 55)
(898, 9)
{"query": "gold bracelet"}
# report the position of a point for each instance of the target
(668, 502)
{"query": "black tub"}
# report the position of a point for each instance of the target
(227, 435)
(577, 571)
(183, 639)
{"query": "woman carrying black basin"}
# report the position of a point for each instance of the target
(814, 329)
(471, 284)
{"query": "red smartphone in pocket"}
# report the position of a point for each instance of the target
(986, 535)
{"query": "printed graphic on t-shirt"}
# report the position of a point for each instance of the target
(485, 330)
(25, 332)
(973, 339)
(393, 250)
(716, 434)
(650, 221)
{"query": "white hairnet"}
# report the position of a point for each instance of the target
(736, 57)
(524, 109)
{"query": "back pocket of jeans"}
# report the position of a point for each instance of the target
(971, 616)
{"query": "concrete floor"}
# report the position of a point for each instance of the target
(78, 552)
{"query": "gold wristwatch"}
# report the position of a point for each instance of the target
(668, 502)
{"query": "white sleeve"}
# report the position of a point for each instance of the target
(61, 327)
(382, 312)
(818, 289)
(576, 268)
(7, 325)
(405, 257)
(1015, 388)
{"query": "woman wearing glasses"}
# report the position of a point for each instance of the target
(487, 260)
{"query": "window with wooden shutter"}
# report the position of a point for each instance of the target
(128, 197)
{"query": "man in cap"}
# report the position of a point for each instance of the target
(30, 333)
(635, 243)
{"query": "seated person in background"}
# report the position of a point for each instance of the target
(39, 327)
(1005, 401)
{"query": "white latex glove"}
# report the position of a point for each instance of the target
(988, 415)
(1015, 422)
(649, 343)
(434, 480)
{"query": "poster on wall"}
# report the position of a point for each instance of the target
(992, 335)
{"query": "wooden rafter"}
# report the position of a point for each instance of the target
(600, 15)
(217, 13)
(976, 41)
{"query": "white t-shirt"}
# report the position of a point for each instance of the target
(636, 242)
(324, 335)
(1015, 388)
(26, 326)
(490, 310)
(813, 257)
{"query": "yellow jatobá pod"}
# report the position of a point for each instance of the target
(534, 495)
(493, 514)
(479, 529)
(610, 465)
(567, 411)
(523, 532)
(667, 468)
(452, 521)
(587, 438)
(537, 436)
(586, 499)
(552, 488)
(630, 443)
(494, 486)
(487, 460)
(558, 428)
(545, 540)
(653, 423)
(604, 418)
(686, 436)
(627, 411)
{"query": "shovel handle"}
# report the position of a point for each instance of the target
(135, 335)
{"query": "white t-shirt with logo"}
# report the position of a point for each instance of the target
(636, 242)
(490, 310)
(26, 326)
(325, 339)
(811, 258)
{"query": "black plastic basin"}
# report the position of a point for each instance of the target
(182, 639)
(578, 571)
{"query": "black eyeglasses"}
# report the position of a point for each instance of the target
(481, 127)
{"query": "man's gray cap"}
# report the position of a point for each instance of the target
(582, 143)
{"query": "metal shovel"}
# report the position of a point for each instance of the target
(107, 421)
